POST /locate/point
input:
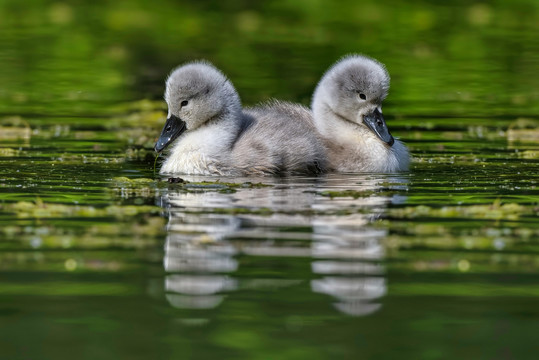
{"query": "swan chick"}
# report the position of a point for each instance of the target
(204, 119)
(347, 111)
(210, 134)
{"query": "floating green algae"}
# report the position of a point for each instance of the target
(14, 128)
(523, 130)
(9, 152)
(150, 187)
(39, 209)
(355, 194)
(494, 211)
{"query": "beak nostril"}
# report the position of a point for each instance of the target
(173, 128)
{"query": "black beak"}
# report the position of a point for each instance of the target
(375, 121)
(174, 127)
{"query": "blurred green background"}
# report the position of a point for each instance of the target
(445, 58)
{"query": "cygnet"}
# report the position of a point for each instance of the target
(210, 134)
(347, 111)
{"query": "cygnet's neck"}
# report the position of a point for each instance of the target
(353, 147)
(321, 110)
(336, 127)
(213, 137)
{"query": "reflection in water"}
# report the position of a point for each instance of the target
(196, 251)
(352, 276)
(293, 217)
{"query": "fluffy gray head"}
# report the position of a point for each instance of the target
(197, 92)
(354, 86)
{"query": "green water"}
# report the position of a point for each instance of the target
(102, 258)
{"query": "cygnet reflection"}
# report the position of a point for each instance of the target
(207, 230)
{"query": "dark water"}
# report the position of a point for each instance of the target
(100, 257)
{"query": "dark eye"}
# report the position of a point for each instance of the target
(184, 103)
(362, 96)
